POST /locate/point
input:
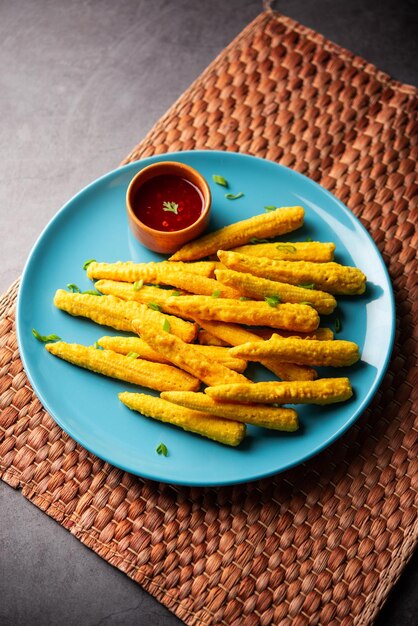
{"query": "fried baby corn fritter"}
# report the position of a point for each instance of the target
(321, 391)
(299, 317)
(153, 375)
(236, 335)
(258, 288)
(276, 418)
(126, 345)
(184, 355)
(279, 222)
(130, 272)
(337, 353)
(330, 277)
(314, 251)
(224, 431)
(117, 313)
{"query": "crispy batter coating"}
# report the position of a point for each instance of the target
(126, 345)
(205, 338)
(277, 222)
(315, 251)
(321, 333)
(185, 356)
(276, 418)
(117, 313)
(130, 272)
(236, 335)
(330, 277)
(153, 375)
(321, 391)
(224, 431)
(258, 288)
(337, 353)
(299, 317)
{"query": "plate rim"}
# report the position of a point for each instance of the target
(149, 475)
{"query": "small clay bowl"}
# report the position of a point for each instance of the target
(167, 242)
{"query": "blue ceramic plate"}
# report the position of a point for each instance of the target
(94, 225)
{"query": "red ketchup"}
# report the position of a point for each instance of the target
(168, 203)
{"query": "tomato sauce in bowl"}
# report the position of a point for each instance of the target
(168, 204)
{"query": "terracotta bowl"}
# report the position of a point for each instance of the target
(158, 240)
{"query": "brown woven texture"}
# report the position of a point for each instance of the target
(322, 543)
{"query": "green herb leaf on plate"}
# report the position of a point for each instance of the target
(92, 292)
(232, 196)
(45, 338)
(73, 288)
(337, 325)
(307, 286)
(97, 346)
(87, 263)
(243, 298)
(132, 355)
(220, 180)
(216, 293)
(162, 449)
(175, 293)
(272, 301)
(270, 207)
(138, 284)
(166, 325)
(154, 306)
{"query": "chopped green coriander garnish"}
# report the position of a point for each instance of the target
(272, 301)
(87, 263)
(162, 449)
(73, 288)
(216, 293)
(308, 239)
(220, 180)
(92, 292)
(270, 207)
(244, 298)
(154, 306)
(97, 346)
(337, 325)
(175, 293)
(133, 355)
(307, 303)
(286, 247)
(307, 285)
(171, 207)
(231, 196)
(255, 240)
(45, 338)
(166, 325)
(138, 285)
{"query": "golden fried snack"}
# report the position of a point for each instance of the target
(276, 418)
(153, 375)
(186, 281)
(321, 333)
(225, 431)
(117, 313)
(258, 288)
(314, 251)
(277, 222)
(299, 317)
(130, 272)
(236, 335)
(330, 277)
(153, 296)
(337, 353)
(205, 338)
(126, 345)
(322, 391)
(185, 356)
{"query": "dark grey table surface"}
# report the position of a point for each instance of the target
(80, 83)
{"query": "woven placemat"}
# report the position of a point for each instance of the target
(322, 543)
